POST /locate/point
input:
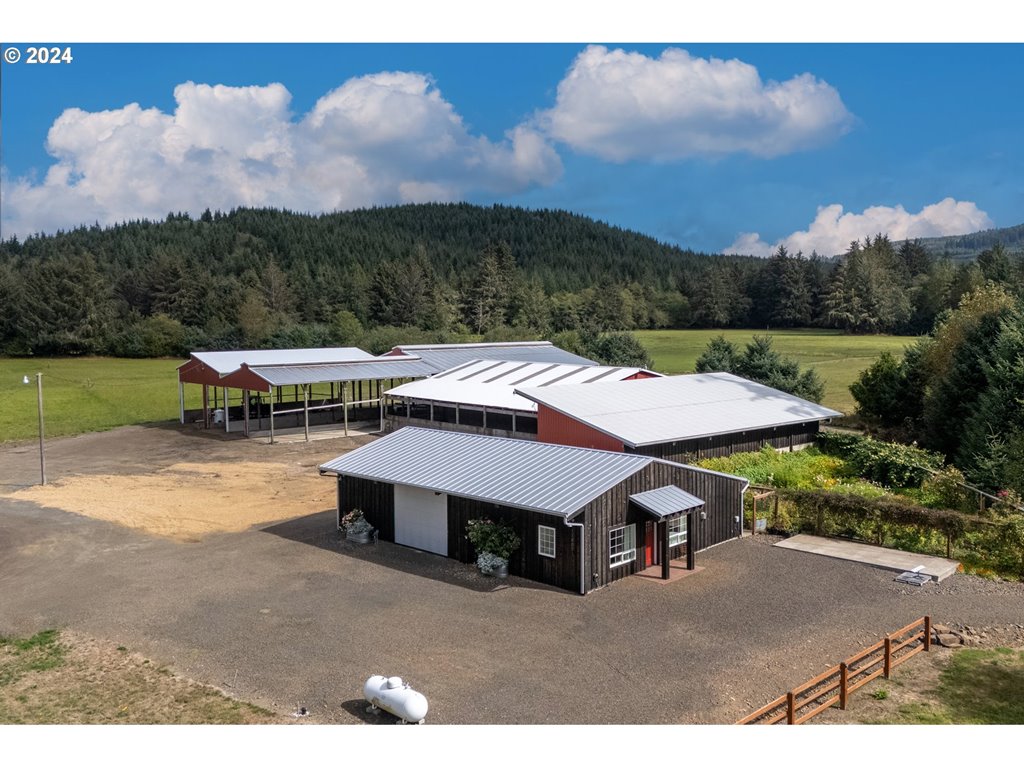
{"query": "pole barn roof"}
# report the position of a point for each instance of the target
(553, 479)
(230, 361)
(445, 356)
(491, 383)
(650, 411)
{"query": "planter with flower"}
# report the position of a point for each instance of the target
(356, 527)
(494, 543)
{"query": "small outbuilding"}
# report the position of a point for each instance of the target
(680, 418)
(586, 517)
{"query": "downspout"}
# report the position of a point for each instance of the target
(583, 549)
(739, 525)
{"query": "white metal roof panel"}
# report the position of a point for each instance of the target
(230, 361)
(666, 501)
(554, 479)
(445, 356)
(491, 383)
(662, 410)
(361, 370)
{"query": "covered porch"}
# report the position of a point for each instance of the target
(672, 513)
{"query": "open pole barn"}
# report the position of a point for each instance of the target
(586, 518)
(267, 390)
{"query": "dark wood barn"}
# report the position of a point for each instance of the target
(586, 518)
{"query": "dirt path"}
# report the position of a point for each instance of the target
(174, 482)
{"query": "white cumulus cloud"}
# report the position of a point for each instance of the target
(383, 138)
(832, 231)
(621, 106)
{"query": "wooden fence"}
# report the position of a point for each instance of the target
(836, 684)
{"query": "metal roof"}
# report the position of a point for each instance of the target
(230, 361)
(650, 411)
(445, 356)
(491, 383)
(553, 479)
(662, 502)
(361, 370)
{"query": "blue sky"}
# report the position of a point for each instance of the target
(709, 146)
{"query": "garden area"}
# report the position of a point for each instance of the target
(882, 493)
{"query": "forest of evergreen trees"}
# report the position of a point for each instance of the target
(266, 278)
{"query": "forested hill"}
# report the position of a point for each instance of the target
(269, 278)
(966, 247)
(564, 251)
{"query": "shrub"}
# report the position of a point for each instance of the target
(892, 464)
(488, 536)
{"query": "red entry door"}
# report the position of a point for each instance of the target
(649, 543)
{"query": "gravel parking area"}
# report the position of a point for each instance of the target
(286, 613)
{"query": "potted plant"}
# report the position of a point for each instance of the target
(494, 543)
(356, 527)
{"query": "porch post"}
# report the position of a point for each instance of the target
(689, 540)
(666, 569)
(245, 412)
(227, 412)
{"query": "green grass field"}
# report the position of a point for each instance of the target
(838, 358)
(88, 394)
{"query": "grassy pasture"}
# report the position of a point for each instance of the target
(837, 357)
(88, 394)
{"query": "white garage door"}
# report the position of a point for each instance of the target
(421, 519)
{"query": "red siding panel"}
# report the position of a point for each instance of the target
(554, 427)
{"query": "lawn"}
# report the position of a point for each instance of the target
(56, 679)
(87, 394)
(837, 357)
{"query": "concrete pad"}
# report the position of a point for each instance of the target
(881, 557)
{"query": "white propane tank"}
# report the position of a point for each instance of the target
(394, 695)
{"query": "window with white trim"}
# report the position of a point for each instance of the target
(677, 531)
(545, 541)
(622, 545)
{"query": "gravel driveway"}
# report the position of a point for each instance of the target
(290, 615)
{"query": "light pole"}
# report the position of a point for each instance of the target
(42, 457)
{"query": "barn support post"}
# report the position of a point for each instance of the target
(666, 569)
(380, 401)
(344, 403)
(227, 412)
(513, 422)
(431, 410)
(206, 406)
(181, 400)
(485, 417)
(216, 404)
(305, 410)
(456, 414)
(271, 418)
(245, 412)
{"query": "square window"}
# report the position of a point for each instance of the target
(677, 531)
(545, 541)
(622, 545)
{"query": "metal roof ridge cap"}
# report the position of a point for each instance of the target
(695, 468)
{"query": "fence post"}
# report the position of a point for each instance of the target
(790, 708)
(888, 657)
(927, 633)
(844, 679)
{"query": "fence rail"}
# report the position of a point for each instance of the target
(835, 685)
